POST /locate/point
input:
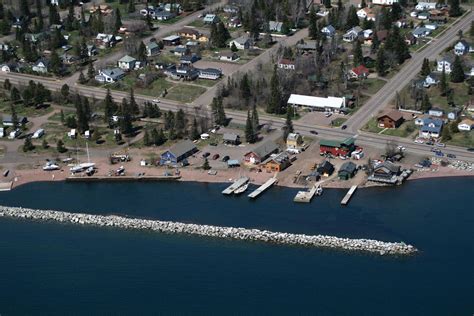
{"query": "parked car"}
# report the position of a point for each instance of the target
(206, 154)
(470, 149)
(451, 155)
(440, 145)
(343, 126)
(156, 101)
(225, 159)
(327, 114)
(439, 153)
(429, 143)
(419, 141)
(215, 157)
(313, 132)
(401, 148)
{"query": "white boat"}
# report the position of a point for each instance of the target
(50, 167)
(242, 189)
(319, 190)
(83, 166)
(90, 171)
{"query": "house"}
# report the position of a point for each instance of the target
(384, 2)
(192, 33)
(68, 59)
(466, 125)
(470, 72)
(307, 46)
(347, 170)
(286, 64)
(359, 72)
(110, 75)
(454, 114)
(230, 9)
(210, 73)
(210, 19)
(421, 32)
(337, 148)
(152, 49)
(171, 40)
(438, 19)
(41, 66)
(278, 163)
(426, 6)
(432, 26)
(173, 7)
(274, 26)
(392, 119)
(353, 34)
(294, 141)
(228, 56)
(366, 13)
(127, 63)
(242, 42)
(410, 39)
(431, 128)
(328, 31)
(461, 48)
(385, 171)
(325, 168)
(423, 16)
(234, 22)
(178, 152)
(317, 103)
(180, 50)
(261, 153)
(35, 37)
(103, 40)
(4, 47)
(8, 121)
(163, 15)
(436, 112)
(231, 139)
(92, 50)
(431, 79)
(189, 59)
(445, 63)
(183, 71)
(10, 67)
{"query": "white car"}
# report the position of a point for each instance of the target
(440, 145)
(156, 101)
(419, 141)
(327, 114)
(401, 148)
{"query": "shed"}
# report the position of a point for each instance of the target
(261, 153)
(178, 152)
(347, 170)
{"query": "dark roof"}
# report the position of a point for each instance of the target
(265, 149)
(325, 166)
(393, 115)
(389, 166)
(182, 148)
(335, 143)
(230, 137)
(348, 167)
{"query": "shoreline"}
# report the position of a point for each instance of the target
(23, 177)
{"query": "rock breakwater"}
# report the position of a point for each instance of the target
(330, 242)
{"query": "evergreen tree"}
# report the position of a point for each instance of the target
(118, 19)
(457, 75)
(131, 6)
(249, 130)
(443, 83)
(28, 145)
(161, 138)
(255, 119)
(352, 18)
(125, 121)
(141, 52)
(288, 123)
(245, 91)
(7, 85)
(39, 13)
(133, 104)
(146, 138)
(446, 134)
(221, 118)
(471, 29)
(327, 3)
(180, 123)
(45, 144)
(194, 130)
(380, 65)
(15, 120)
(90, 71)
(363, 4)
(54, 17)
(25, 8)
(358, 56)
(61, 116)
(82, 79)
(205, 165)
(55, 63)
(454, 8)
(274, 103)
(81, 114)
(425, 103)
(60, 147)
(233, 48)
(65, 92)
(109, 107)
(425, 68)
(313, 24)
(155, 137)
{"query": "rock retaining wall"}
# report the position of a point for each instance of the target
(364, 245)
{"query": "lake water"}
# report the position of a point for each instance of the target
(50, 268)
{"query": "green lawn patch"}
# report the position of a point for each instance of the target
(206, 82)
(463, 139)
(184, 93)
(338, 121)
(404, 130)
(372, 126)
(373, 85)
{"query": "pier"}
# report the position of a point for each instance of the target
(263, 188)
(6, 186)
(307, 196)
(237, 184)
(229, 233)
(348, 195)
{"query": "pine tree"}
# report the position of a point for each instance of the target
(133, 104)
(255, 119)
(15, 95)
(221, 117)
(60, 147)
(180, 123)
(358, 56)
(454, 8)
(28, 145)
(54, 17)
(65, 92)
(39, 13)
(425, 103)
(443, 83)
(55, 63)
(7, 85)
(425, 68)
(245, 91)
(142, 52)
(313, 24)
(125, 121)
(274, 103)
(131, 6)
(109, 107)
(352, 18)
(446, 134)
(118, 20)
(471, 29)
(363, 4)
(249, 130)
(61, 116)
(205, 165)
(233, 48)
(457, 74)
(45, 144)
(288, 123)
(161, 138)
(146, 138)
(25, 8)
(82, 79)
(194, 130)
(15, 120)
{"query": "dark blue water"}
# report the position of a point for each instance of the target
(61, 269)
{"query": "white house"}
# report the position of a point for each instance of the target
(317, 103)
(110, 75)
(210, 73)
(353, 34)
(274, 26)
(329, 31)
(242, 42)
(431, 79)
(461, 48)
(431, 128)
(436, 112)
(421, 32)
(384, 2)
(445, 62)
(426, 6)
(41, 66)
(127, 63)
(211, 19)
(366, 13)
(466, 125)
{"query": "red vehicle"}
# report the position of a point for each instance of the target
(215, 157)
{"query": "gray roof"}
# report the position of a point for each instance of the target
(242, 40)
(448, 58)
(213, 71)
(183, 147)
(265, 149)
(152, 45)
(8, 118)
(275, 26)
(230, 136)
(127, 59)
(330, 28)
(389, 166)
(348, 166)
(113, 72)
(310, 45)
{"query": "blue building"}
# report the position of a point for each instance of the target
(178, 153)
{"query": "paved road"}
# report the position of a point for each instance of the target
(409, 71)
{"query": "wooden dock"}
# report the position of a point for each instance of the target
(348, 195)
(263, 187)
(6, 186)
(234, 186)
(307, 196)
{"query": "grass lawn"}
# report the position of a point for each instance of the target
(460, 96)
(372, 126)
(21, 110)
(373, 85)
(184, 93)
(155, 89)
(198, 23)
(463, 139)
(56, 117)
(206, 82)
(405, 130)
(338, 121)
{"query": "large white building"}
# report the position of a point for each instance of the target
(384, 2)
(333, 104)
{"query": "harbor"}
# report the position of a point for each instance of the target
(348, 195)
(270, 182)
(236, 233)
(240, 182)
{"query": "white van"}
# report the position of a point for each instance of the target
(38, 134)
(2, 132)
(14, 134)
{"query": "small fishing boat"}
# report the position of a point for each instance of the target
(242, 189)
(319, 190)
(50, 167)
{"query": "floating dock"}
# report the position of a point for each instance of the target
(348, 195)
(263, 187)
(307, 196)
(234, 186)
(6, 186)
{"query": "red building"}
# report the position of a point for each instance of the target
(337, 148)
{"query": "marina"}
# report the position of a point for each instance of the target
(263, 188)
(307, 196)
(236, 185)
(348, 195)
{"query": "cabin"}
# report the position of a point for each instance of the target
(431, 80)
(241, 43)
(392, 119)
(359, 72)
(294, 141)
(461, 48)
(274, 26)
(41, 66)
(325, 168)
(329, 104)
(262, 152)
(466, 125)
(353, 34)
(385, 171)
(337, 148)
(231, 139)
(210, 19)
(105, 40)
(228, 56)
(347, 170)
(178, 152)
(277, 163)
(152, 49)
(171, 40)
(127, 63)
(328, 31)
(210, 73)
